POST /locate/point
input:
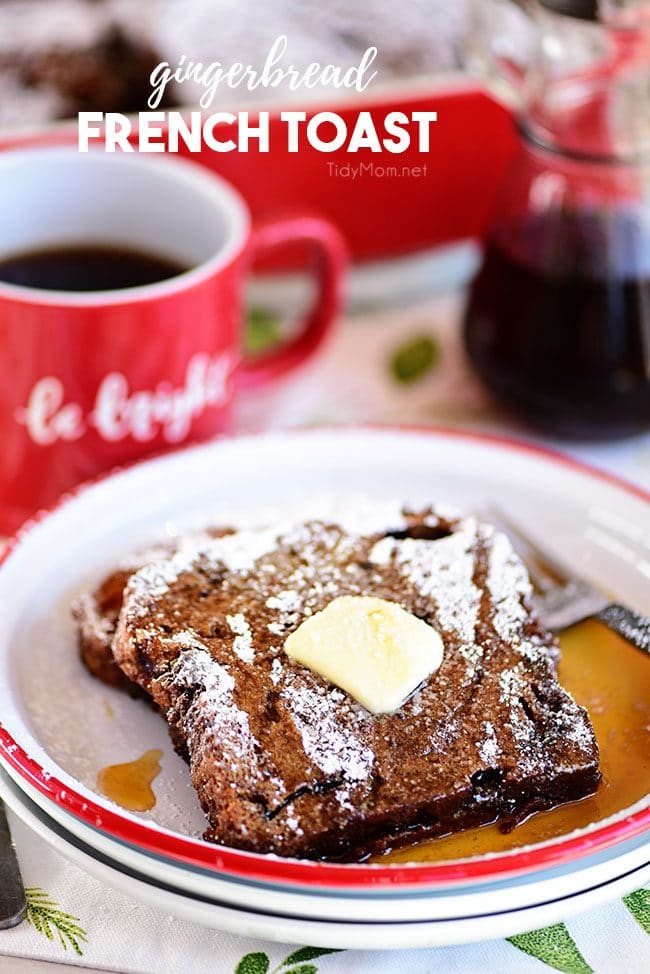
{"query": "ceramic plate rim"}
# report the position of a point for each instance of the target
(253, 866)
(393, 906)
(399, 934)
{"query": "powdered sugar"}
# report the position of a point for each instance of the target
(151, 582)
(285, 601)
(572, 727)
(243, 642)
(288, 604)
(488, 748)
(292, 823)
(195, 667)
(276, 628)
(276, 671)
(508, 585)
(444, 735)
(187, 639)
(443, 572)
(332, 745)
(214, 715)
(238, 552)
(512, 683)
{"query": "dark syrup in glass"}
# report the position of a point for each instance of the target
(558, 323)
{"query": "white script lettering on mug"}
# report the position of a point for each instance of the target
(119, 413)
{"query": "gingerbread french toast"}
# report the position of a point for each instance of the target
(97, 612)
(284, 760)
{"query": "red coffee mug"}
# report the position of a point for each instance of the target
(89, 380)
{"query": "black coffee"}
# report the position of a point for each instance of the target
(87, 269)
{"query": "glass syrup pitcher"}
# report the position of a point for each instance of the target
(558, 318)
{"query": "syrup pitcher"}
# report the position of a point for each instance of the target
(558, 319)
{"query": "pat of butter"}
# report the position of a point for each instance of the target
(372, 648)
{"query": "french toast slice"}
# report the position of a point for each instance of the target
(97, 612)
(285, 762)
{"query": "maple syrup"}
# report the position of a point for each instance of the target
(558, 324)
(129, 785)
(611, 679)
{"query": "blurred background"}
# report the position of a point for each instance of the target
(58, 57)
(505, 288)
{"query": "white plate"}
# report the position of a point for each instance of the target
(464, 928)
(57, 733)
(446, 902)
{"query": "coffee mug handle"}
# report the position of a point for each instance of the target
(330, 260)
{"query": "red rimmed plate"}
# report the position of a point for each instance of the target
(500, 916)
(53, 735)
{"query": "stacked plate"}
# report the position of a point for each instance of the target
(59, 727)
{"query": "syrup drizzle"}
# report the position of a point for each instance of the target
(611, 679)
(129, 785)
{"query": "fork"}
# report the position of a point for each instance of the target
(563, 599)
(13, 905)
